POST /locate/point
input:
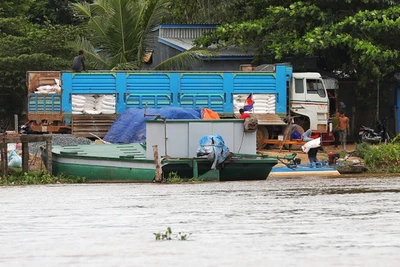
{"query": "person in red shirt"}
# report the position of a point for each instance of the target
(243, 115)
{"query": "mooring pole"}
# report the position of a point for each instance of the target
(4, 158)
(16, 123)
(49, 147)
(157, 162)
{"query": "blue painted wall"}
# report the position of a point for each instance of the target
(212, 90)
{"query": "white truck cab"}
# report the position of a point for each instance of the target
(308, 101)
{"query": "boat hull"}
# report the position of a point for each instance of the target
(230, 170)
(127, 163)
(104, 170)
(302, 170)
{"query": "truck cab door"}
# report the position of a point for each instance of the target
(297, 94)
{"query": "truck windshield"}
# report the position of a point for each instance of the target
(315, 87)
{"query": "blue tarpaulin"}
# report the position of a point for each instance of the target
(130, 126)
(214, 147)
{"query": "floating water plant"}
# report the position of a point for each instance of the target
(169, 236)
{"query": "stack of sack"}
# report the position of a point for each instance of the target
(106, 104)
(263, 103)
(93, 104)
(49, 89)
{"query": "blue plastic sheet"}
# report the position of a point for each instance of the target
(130, 126)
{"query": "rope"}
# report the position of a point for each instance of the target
(240, 147)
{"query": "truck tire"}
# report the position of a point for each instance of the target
(262, 133)
(288, 131)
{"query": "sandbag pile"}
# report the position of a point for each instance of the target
(93, 104)
(49, 89)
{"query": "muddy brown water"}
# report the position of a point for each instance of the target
(309, 221)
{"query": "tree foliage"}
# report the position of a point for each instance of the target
(54, 11)
(347, 36)
(30, 47)
(117, 30)
(14, 8)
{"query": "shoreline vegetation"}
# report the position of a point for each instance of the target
(17, 177)
(381, 159)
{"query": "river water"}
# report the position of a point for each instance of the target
(308, 221)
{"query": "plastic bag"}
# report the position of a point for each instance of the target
(213, 146)
(14, 160)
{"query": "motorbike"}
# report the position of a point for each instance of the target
(369, 135)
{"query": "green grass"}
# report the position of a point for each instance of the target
(174, 178)
(32, 178)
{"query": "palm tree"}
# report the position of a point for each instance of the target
(118, 30)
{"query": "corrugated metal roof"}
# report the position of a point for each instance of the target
(185, 26)
(182, 44)
(181, 37)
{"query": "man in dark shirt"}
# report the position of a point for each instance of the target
(295, 135)
(79, 62)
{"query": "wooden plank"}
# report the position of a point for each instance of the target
(281, 143)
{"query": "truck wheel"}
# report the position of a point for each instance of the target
(288, 131)
(262, 133)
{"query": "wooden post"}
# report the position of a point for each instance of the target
(25, 157)
(49, 163)
(4, 158)
(157, 162)
(16, 123)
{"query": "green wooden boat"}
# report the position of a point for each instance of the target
(128, 163)
(103, 163)
(236, 167)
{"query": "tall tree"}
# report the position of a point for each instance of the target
(14, 8)
(54, 11)
(28, 47)
(351, 37)
(117, 30)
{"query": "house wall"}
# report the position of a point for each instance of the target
(359, 114)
